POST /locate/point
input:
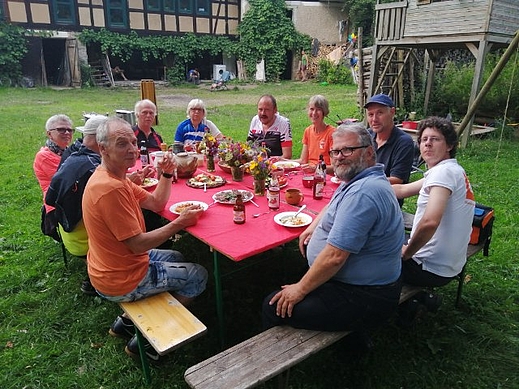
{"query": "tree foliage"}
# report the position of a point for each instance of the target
(13, 47)
(178, 51)
(266, 32)
(361, 13)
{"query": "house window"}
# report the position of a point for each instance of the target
(117, 14)
(185, 6)
(202, 7)
(64, 11)
(169, 5)
(153, 5)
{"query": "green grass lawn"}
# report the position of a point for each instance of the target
(53, 336)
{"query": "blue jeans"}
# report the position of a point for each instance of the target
(167, 272)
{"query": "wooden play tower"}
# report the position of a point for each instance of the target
(434, 26)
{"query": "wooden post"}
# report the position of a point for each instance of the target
(400, 78)
(476, 83)
(495, 73)
(361, 95)
(430, 78)
(148, 92)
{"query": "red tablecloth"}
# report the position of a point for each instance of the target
(239, 241)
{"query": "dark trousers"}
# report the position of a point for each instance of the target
(336, 306)
(413, 274)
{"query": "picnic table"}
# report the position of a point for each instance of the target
(238, 242)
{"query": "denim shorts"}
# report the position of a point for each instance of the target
(167, 272)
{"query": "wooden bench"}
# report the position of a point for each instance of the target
(164, 322)
(276, 350)
(265, 355)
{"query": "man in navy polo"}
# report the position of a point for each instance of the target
(394, 148)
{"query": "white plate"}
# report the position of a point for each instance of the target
(173, 208)
(335, 180)
(285, 219)
(149, 182)
(287, 165)
(229, 196)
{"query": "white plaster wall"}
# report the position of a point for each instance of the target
(320, 20)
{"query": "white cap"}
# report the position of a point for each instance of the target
(91, 125)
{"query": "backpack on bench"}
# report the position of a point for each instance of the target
(482, 226)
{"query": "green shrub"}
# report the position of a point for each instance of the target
(334, 74)
(452, 90)
(86, 75)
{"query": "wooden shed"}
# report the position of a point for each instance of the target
(435, 26)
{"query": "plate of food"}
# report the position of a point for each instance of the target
(287, 165)
(229, 196)
(335, 180)
(149, 182)
(205, 180)
(287, 219)
(179, 207)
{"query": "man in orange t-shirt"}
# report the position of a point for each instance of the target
(122, 262)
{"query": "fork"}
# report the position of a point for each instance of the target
(294, 217)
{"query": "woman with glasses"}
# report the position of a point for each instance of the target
(59, 135)
(191, 130)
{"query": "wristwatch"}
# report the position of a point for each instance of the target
(167, 175)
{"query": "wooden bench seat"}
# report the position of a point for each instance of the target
(164, 322)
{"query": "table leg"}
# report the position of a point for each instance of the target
(144, 358)
(219, 298)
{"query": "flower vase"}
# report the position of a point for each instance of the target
(237, 173)
(259, 186)
(210, 163)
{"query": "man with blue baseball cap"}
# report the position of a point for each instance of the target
(394, 148)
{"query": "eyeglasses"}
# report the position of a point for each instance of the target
(345, 151)
(196, 109)
(63, 130)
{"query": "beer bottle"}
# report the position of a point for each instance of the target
(318, 186)
(239, 210)
(273, 193)
(145, 156)
(323, 167)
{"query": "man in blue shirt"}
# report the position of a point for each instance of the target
(354, 249)
(394, 148)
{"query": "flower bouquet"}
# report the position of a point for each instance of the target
(260, 165)
(236, 154)
(209, 146)
(260, 168)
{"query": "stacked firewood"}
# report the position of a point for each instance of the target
(324, 51)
